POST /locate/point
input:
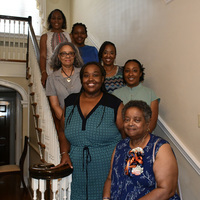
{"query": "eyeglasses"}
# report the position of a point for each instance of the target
(65, 54)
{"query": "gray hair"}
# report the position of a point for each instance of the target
(55, 62)
(141, 105)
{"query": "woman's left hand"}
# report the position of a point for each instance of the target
(65, 160)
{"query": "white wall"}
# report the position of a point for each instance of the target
(166, 39)
(63, 5)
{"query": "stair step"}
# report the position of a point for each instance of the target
(28, 76)
(42, 145)
(34, 104)
(36, 116)
(39, 130)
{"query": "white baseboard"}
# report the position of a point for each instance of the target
(179, 145)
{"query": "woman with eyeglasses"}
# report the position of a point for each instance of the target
(66, 62)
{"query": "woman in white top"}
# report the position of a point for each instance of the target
(56, 24)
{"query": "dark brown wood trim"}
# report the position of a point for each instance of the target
(11, 60)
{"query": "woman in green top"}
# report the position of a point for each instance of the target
(133, 74)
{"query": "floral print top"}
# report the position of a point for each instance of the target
(132, 185)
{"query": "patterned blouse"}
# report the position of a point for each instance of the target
(139, 182)
(116, 81)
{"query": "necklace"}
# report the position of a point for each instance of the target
(68, 76)
(110, 70)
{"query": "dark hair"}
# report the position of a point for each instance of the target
(79, 24)
(102, 70)
(141, 105)
(102, 48)
(64, 25)
(103, 89)
(55, 62)
(140, 66)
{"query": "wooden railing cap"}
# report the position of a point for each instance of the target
(45, 171)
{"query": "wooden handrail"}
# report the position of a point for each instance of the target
(32, 35)
(11, 60)
(45, 135)
(45, 171)
(34, 40)
(14, 18)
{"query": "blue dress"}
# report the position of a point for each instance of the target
(92, 142)
(133, 187)
(89, 54)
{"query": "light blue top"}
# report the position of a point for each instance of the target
(139, 92)
(89, 54)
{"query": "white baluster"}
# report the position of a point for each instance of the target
(66, 186)
(42, 187)
(69, 186)
(34, 187)
(54, 188)
(9, 49)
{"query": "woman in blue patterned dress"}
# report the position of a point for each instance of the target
(90, 132)
(143, 165)
(114, 73)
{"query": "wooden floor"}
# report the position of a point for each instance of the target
(10, 189)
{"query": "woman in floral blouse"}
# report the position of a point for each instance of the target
(143, 165)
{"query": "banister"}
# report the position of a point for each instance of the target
(14, 18)
(34, 40)
(44, 177)
(47, 141)
(45, 171)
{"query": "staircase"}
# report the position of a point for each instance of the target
(18, 43)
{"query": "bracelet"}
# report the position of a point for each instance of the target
(62, 153)
(43, 71)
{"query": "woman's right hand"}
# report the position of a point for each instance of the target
(44, 78)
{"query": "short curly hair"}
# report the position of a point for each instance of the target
(140, 66)
(141, 105)
(79, 24)
(64, 25)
